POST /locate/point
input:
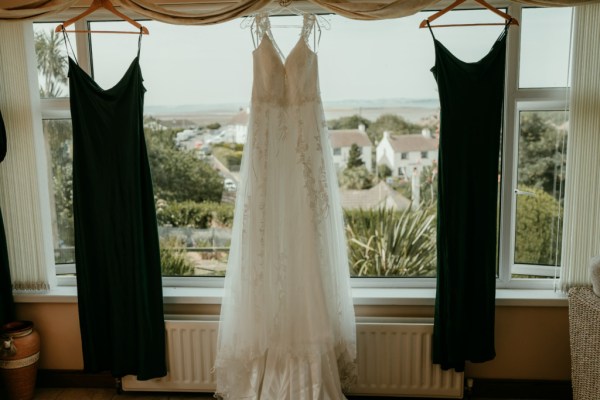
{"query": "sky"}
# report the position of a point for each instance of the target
(358, 60)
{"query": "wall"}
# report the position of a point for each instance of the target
(532, 343)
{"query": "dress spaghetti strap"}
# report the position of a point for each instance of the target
(69, 46)
(431, 30)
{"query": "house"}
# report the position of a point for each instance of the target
(405, 154)
(236, 129)
(342, 140)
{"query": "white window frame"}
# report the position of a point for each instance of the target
(516, 100)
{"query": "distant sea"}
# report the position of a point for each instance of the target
(413, 110)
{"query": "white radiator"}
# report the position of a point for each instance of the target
(394, 359)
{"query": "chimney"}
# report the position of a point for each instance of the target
(386, 135)
(361, 127)
(426, 133)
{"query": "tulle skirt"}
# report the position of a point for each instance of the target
(287, 327)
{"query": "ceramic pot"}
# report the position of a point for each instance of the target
(19, 355)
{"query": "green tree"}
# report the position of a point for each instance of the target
(383, 171)
(178, 175)
(352, 122)
(190, 214)
(539, 228)
(357, 178)
(354, 157)
(542, 150)
(392, 123)
(214, 125)
(58, 133)
(52, 63)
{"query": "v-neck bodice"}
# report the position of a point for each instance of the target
(284, 80)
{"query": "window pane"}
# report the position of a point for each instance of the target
(50, 50)
(58, 135)
(540, 187)
(196, 115)
(545, 41)
(196, 118)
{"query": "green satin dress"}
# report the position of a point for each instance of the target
(7, 306)
(116, 238)
(471, 100)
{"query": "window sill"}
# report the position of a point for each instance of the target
(361, 296)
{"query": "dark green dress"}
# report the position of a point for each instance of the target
(116, 239)
(7, 306)
(471, 100)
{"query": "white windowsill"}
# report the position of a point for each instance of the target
(361, 296)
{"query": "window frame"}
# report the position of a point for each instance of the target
(519, 99)
(516, 100)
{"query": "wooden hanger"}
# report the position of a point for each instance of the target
(106, 4)
(507, 17)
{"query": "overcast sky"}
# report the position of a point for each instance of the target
(184, 65)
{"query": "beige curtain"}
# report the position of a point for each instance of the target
(23, 177)
(581, 235)
(205, 12)
(31, 9)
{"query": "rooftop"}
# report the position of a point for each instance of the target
(408, 143)
(346, 137)
(380, 195)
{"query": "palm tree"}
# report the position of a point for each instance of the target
(52, 63)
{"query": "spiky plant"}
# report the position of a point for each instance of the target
(173, 258)
(384, 242)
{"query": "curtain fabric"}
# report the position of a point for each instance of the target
(581, 237)
(31, 9)
(206, 12)
(23, 175)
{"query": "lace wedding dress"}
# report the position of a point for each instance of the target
(287, 326)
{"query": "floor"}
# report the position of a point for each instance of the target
(111, 394)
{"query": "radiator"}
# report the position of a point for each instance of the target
(394, 359)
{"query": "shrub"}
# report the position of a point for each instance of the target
(538, 228)
(384, 242)
(194, 215)
(173, 257)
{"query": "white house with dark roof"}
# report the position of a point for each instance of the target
(236, 129)
(342, 139)
(405, 153)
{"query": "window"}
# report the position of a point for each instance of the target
(196, 116)
(543, 62)
(534, 179)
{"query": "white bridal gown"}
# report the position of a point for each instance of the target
(287, 323)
